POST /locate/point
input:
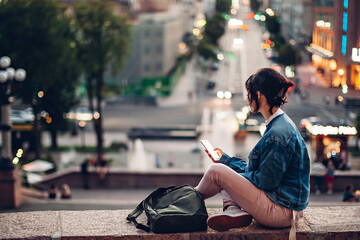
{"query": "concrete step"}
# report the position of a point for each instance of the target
(338, 222)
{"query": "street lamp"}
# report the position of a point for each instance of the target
(7, 75)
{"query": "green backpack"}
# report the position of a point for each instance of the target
(171, 210)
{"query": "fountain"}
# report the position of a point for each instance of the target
(138, 159)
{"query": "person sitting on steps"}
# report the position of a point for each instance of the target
(275, 183)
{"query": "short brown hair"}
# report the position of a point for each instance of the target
(272, 84)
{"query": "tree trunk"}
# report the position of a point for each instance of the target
(36, 130)
(54, 144)
(89, 88)
(98, 122)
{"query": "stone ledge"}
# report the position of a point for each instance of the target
(155, 178)
(318, 223)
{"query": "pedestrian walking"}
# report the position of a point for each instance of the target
(157, 161)
(102, 168)
(319, 171)
(85, 173)
(171, 160)
(65, 191)
(330, 176)
(53, 192)
(273, 186)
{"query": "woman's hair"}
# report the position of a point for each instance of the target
(270, 83)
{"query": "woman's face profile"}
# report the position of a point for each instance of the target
(251, 103)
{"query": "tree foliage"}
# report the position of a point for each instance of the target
(357, 126)
(289, 55)
(206, 49)
(215, 27)
(255, 5)
(223, 6)
(37, 37)
(102, 41)
(272, 24)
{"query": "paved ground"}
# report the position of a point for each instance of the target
(129, 198)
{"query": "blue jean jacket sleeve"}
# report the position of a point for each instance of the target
(272, 166)
(237, 164)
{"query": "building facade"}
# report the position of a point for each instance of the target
(335, 45)
(297, 19)
(154, 46)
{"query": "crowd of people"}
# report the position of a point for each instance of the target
(321, 172)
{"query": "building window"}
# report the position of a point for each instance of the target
(146, 50)
(343, 45)
(147, 68)
(345, 18)
(159, 66)
(146, 33)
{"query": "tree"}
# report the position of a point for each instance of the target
(36, 35)
(357, 125)
(255, 5)
(272, 24)
(206, 49)
(223, 6)
(102, 41)
(289, 55)
(215, 27)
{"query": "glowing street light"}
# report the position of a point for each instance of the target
(7, 77)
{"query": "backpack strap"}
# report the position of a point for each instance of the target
(134, 214)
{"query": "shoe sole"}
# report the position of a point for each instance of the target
(223, 223)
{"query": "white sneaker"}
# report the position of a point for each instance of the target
(317, 192)
(232, 217)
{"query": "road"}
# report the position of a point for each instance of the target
(178, 109)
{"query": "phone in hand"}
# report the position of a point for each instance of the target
(207, 145)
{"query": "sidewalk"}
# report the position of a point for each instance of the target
(184, 92)
(318, 88)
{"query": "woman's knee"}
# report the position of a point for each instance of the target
(216, 171)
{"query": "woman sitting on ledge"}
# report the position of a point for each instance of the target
(276, 180)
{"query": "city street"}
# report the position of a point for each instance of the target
(181, 110)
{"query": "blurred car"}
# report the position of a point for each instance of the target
(210, 85)
(224, 94)
(214, 66)
(81, 114)
(234, 23)
(21, 116)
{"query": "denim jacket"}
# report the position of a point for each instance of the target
(279, 164)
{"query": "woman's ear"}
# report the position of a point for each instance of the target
(258, 93)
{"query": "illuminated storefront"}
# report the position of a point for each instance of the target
(329, 140)
(336, 44)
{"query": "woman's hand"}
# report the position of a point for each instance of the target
(218, 151)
